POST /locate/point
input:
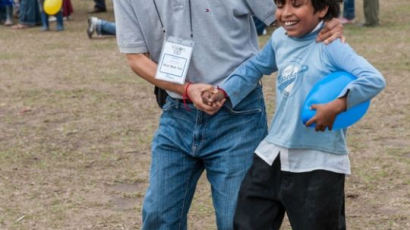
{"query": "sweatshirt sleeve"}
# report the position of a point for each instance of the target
(246, 77)
(369, 80)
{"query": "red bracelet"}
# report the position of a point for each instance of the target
(185, 96)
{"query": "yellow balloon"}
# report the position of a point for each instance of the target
(51, 7)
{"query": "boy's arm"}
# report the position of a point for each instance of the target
(246, 77)
(369, 80)
(368, 84)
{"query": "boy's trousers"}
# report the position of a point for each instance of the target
(312, 200)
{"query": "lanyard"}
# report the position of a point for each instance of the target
(190, 18)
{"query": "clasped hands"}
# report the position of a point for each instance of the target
(205, 97)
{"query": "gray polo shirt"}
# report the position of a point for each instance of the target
(224, 32)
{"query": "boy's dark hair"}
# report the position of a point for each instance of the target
(332, 12)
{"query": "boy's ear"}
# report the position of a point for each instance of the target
(322, 13)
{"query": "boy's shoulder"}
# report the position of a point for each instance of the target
(278, 33)
(336, 46)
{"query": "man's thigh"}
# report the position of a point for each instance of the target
(227, 147)
(174, 172)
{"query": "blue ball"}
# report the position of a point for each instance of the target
(327, 90)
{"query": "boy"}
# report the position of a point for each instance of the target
(299, 169)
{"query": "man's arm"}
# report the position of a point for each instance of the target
(246, 77)
(144, 67)
(332, 30)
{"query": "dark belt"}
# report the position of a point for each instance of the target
(182, 101)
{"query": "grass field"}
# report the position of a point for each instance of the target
(76, 126)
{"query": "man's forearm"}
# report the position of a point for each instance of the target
(144, 67)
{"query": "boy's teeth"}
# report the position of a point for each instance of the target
(289, 23)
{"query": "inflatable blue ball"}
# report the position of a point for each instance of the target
(327, 90)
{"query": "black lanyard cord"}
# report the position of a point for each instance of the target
(160, 21)
(190, 18)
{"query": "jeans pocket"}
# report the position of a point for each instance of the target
(242, 111)
(169, 104)
(253, 103)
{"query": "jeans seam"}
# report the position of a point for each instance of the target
(185, 198)
(204, 125)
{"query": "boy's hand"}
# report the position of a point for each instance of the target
(326, 114)
(195, 92)
(213, 97)
(332, 30)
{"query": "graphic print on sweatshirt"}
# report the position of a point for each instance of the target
(288, 76)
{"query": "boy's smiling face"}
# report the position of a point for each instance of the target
(298, 17)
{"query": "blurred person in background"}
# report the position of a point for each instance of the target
(45, 16)
(371, 13)
(260, 26)
(29, 14)
(348, 12)
(6, 12)
(100, 27)
(67, 9)
(99, 7)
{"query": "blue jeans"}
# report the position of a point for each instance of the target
(6, 12)
(105, 27)
(29, 12)
(188, 142)
(348, 9)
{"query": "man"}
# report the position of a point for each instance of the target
(99, 7)
(100, 26)
(371, 13)
(191, 136)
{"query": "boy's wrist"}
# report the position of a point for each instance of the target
(340, 105)
(185, 95)
(223, 92)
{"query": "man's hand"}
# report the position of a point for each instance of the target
(332, 30)
(326, 114)
(195, 91)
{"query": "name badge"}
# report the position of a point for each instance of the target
(174, 60)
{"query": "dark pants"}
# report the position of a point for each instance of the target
(348, 9)
(260, 26)
(100, 4)
(312, 200)
(29, 13)
(371, 12)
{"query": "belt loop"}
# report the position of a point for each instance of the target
(185, 96)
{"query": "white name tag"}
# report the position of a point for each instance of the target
(175, 59)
